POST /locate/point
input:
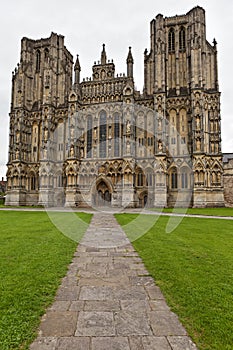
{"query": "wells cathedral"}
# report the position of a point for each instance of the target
(100, 142)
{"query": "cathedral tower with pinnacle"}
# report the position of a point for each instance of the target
(100, 142)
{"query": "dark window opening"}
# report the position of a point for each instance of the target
(89, 137)
(182, 40)
(174, 179)
(33, 183)
(171, 40)
(59, 181)
(116, 137)
(184, 180)
(37, 60)
(150, 141)
(103, 134)
(140, 179)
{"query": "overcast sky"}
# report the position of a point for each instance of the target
(87, 24)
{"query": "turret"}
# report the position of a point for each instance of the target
(130, 62)
(77, 70)
(103, 56)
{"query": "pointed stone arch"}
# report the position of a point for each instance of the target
(102, 190)
(143, 199)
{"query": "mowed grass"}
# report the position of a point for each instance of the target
(199, 211)
(193, 266)
(34, 257)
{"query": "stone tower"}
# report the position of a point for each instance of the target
(101, 142)
(181, 72)
(40, 87)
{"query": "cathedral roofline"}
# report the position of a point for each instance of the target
(196, 8)
(52, 35)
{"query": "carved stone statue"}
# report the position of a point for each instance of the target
(72, 151)
(160, 146)
(128, 126)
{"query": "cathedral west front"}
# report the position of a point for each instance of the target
(101, 143)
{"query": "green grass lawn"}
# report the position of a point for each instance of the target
(193, 266)
(199, 211)
(34, 257)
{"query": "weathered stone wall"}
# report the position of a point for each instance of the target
(228, 179)
(100, 141)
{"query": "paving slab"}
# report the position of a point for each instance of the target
(166, 323)
(73, 343)
(179, 342)
(149, 343)
(95, 323)
(128, 323)
(106, 305)
(58, 323)
(110, 343)
(108, 300)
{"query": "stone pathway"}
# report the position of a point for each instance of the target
(108, 301)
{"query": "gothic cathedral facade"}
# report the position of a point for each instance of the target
(100, 142)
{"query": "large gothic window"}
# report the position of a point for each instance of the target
(116, 136)
(171, 40)
(182, 41)
(102, 134)
(59, 180)
(140, 179)
(149, 178)
(174, 178)
(89, 136)
(184, 180)
(38, 57)
(32, 182)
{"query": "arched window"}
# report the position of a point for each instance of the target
(89, 136)
(173, 175)
(149, 178)
(59, 180)
(102, 134)
(116, 136)
(150, 141)
(182, 39)
(32, 182)
(38, 58)
(171, 40)
(140, 179)
(184, 180)
(46, 55)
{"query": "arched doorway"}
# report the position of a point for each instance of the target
(143, 200)
(102, 196)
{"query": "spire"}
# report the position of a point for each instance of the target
(103, 55)
(77, 70)
(77, 65)
(130, 62)
(130, 57)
